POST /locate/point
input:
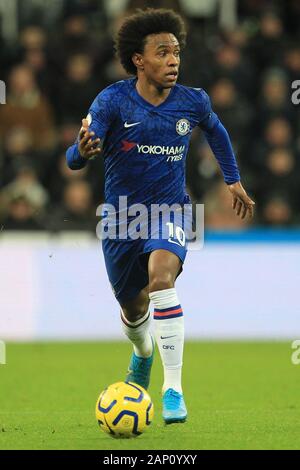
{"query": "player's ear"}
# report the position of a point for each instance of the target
(138, 61)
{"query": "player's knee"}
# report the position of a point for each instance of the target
(135, 313)
(161, 282)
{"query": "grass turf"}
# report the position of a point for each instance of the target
(239, 396)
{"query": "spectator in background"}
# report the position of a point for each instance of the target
(76, 211)
(280, 173)
(277, 211)
(16, 151)
(278, 133)
(21, 215)
(23, 202)
(28, 108)
(60, 176)
(268, 45)
(78, 88)
(34, 53)
(239, 37)
(234, 111)
(33, 37)
(75, 37)
(230, 64)
(65, 135)
(292, 62)
(275, 99)
(27, 185)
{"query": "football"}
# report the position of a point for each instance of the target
(124, 409)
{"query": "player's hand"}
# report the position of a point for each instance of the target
(242, 204)
(88, 147)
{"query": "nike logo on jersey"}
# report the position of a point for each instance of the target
(126, 125)
(166, 337)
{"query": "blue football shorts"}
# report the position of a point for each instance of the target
(127, 260)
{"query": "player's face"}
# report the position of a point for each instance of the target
(161, 59)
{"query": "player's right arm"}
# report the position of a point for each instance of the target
(88, 144)
(93, 130)
(85, 147)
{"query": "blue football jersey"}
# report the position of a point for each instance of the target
(145, 146)
(144, 149)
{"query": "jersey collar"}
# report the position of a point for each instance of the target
(145, 102)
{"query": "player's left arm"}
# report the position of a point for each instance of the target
(219, 141)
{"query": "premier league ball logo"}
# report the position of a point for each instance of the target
(183, 127)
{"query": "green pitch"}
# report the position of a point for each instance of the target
(239, 396)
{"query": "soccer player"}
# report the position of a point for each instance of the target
(144, 126)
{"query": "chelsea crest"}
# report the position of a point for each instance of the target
(183, 127)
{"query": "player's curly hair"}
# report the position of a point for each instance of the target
(132, 34)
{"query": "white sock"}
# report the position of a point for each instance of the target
(169, 334)
(139, 334)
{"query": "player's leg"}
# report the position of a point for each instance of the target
(136, 318)
(129, 281)
(163, 268)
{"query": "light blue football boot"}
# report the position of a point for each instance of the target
(174, 409)
(139, 369)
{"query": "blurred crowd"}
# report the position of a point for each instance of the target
(62, 59)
